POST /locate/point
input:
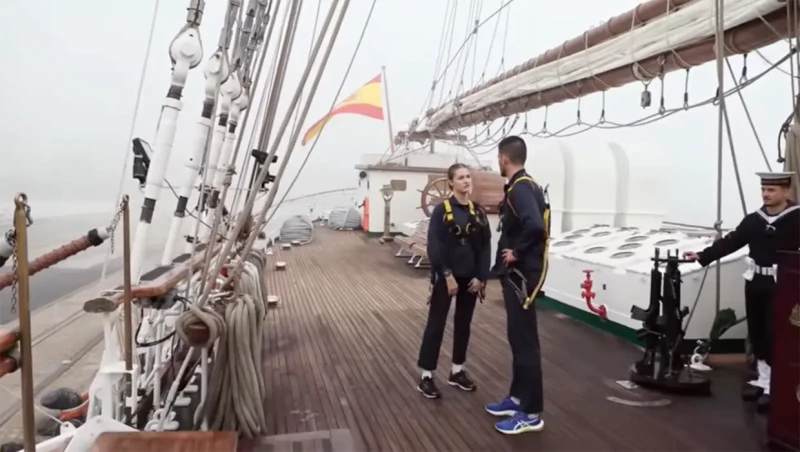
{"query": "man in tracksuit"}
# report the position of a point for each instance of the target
(522, 264)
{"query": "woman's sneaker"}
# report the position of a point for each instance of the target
(428, 388)
(462, 381)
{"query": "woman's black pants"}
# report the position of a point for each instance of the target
(437, 318)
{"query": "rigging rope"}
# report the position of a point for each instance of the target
(335, 101)
(310, 49)
(292, 18)
(491, 46)
(228, 245)
(443, 76)
(214, 325)
(225, 37)
(439, 55)
(260, 112)
(132, 128)
(463, 44)
(749, 118)
(296, 133)
(462, 55)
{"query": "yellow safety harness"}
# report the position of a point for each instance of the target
(528, 298)
(450, 220)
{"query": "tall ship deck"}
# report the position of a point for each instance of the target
(341, 354)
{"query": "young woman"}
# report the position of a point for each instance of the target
(459, 252)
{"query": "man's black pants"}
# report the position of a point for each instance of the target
(758, 295)
(523, 337)
(437, 318)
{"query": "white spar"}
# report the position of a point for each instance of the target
(186, 51)
(691, 23)
(215, 73)
(217, 140)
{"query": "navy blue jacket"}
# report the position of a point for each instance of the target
(469, 257)
(523, 229)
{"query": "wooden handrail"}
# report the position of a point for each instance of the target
(154, 288)
(149, 289)
(172, 278)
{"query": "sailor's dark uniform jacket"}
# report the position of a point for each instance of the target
(765, 235)
(525, 224)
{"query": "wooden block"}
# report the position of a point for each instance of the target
(166, 442)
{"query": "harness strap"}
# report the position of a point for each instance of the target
(527, 297)
(448, 211)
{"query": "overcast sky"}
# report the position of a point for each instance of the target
(71, 71)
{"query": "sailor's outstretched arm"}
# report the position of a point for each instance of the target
(731, 243)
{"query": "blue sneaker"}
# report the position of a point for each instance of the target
(505, 407)
(520, 423)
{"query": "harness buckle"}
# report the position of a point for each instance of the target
(520, 290)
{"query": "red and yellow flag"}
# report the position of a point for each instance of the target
(366, 101)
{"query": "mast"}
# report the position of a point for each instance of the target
(720, 57)
(186, 52)
(388, 109)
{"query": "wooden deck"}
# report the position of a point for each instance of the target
(342, 351)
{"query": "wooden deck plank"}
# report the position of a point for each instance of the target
(354, 369)
(342, 348)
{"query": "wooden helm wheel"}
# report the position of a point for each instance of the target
(434, 193)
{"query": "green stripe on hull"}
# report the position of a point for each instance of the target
(723, 346)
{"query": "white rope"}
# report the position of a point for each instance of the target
(236, 388)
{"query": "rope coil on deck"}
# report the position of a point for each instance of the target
(236, 388)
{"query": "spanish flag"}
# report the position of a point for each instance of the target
(366, 101)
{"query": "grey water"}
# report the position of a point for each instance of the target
(57, 223)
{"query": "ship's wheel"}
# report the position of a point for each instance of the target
(434, 193)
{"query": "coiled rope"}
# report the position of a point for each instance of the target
(236, 388)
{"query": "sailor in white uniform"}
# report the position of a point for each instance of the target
(763, 231)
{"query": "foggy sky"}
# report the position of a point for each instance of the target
(71, 71)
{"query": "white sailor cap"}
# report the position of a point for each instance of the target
(783, 179)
